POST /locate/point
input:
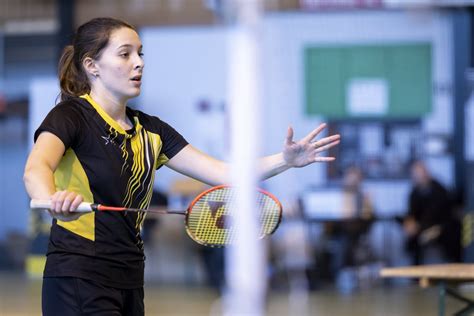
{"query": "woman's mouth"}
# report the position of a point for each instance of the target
(137, 80)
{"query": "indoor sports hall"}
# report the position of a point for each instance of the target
(237, 157)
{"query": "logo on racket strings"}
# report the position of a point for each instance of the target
(222, 221)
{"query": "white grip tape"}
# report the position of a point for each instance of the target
(46, 204)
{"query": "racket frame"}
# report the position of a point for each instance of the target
(224, 186)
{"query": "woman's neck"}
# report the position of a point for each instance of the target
(114, 107)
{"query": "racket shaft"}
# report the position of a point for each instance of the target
(100, 207)
(88, 207)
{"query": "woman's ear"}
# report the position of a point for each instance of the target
(90, 67)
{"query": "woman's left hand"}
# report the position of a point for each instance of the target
(307, 150)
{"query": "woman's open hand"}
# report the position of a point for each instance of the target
(308, 149)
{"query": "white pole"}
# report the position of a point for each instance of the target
(245, 271)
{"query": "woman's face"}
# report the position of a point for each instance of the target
(120, 65)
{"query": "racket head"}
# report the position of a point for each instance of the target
(209, 219)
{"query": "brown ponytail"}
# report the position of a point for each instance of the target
(90, 39)
(72, 79)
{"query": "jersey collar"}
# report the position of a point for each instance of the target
(110, 121)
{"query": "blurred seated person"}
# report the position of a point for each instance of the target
(349, 246)
(356, 202)
(432, 230)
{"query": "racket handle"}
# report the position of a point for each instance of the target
(46, 204)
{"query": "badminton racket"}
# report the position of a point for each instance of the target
(208, 219)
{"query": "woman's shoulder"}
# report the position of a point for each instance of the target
(75, 107)
(147, 120)
(74, 102)
(71, 104)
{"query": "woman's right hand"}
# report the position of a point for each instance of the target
(64, 205)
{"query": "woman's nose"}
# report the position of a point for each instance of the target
(139, 63)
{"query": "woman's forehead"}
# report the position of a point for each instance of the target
(124, 36)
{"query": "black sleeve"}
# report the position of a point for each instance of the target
(173, 141)
(63, 121)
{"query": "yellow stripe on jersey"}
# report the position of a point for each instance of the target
(70, 175)
(162, 159)
(156, 145)
(144, 147)
(138, 168)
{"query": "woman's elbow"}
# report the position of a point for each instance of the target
(28, 178)
(34, 171)
(27, 173)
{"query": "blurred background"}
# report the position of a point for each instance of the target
(393, 77)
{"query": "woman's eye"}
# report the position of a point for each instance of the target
(141, 54)
(124, 54)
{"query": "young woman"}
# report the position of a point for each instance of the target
(92, 147)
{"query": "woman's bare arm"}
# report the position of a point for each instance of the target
(39, 177)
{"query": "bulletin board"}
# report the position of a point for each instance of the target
(396, 80)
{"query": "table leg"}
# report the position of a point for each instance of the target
(466, 311)
(441, 298)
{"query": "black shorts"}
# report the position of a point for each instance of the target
(68, 296)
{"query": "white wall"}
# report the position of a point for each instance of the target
(285, 39)
(43, 94)
(14, 208)
(185, 64)
(14, 202)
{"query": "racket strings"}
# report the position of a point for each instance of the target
(210, 221)
(203, 220)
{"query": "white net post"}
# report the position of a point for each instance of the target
(245, 260)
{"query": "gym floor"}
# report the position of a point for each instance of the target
(22, 296)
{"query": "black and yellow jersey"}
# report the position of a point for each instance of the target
(112, 166)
